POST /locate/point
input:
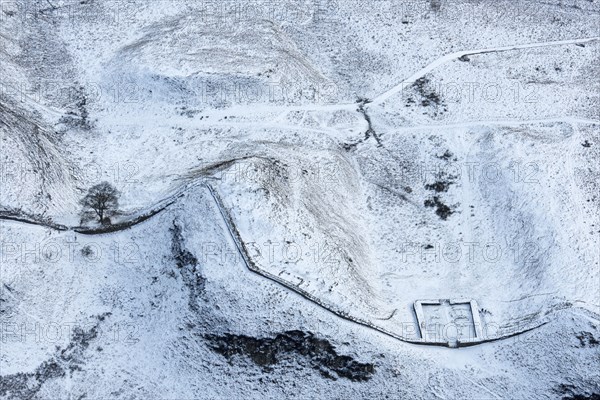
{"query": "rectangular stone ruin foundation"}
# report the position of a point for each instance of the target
(449, 321)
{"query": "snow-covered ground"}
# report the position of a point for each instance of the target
(324, 165)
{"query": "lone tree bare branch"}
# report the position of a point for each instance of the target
(101, 200)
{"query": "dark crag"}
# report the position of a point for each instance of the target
(268, 352)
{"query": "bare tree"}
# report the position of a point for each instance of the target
(102, 201)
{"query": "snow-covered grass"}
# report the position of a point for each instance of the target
(471, 174)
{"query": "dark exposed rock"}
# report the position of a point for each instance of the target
(442, 210)
(568, 392)
(587, 339)
(438, 186)
(182, 256)
(65, 360)
(428, 94)
(370, 131)
(268, 352)
(188, 266)
(446, 156)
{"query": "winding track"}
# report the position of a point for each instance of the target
(453, 56)
(240, 111)
(502, 122)
(381, 98)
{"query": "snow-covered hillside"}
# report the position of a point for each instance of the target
(317, 198)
